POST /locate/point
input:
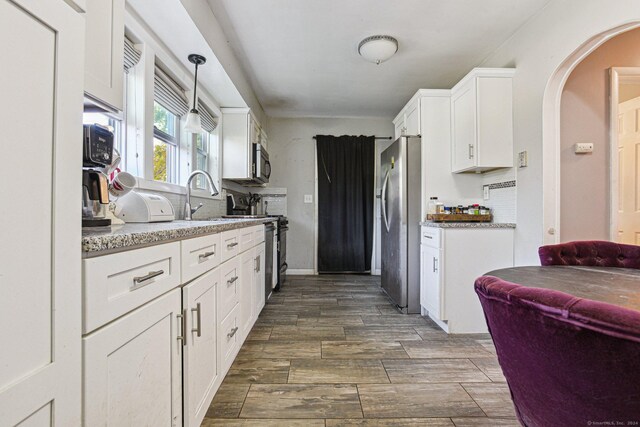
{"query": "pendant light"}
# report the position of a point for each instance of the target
(378, 49)
(194, 124)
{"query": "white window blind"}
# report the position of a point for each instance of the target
(131, 55)
(208, 120)
(167, 93)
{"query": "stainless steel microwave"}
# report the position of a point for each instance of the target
(261, 165)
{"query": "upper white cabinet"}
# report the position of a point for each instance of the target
(408, 121)
(104, 51)
(482, 121)
(41, 46)
(240, 131)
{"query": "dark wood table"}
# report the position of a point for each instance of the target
(619, 286)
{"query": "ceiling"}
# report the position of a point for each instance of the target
(301, 55)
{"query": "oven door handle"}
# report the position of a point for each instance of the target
(284, 267)
(267, 169)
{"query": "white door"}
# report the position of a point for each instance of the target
(42, 51)
(246, 292)
(201, 370)
(258, 281)
(431, 281)
(133, 367)
(463, 127)
(628, 172)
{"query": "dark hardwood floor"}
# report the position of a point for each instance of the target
(332, 351)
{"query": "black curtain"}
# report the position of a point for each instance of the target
(345, 203)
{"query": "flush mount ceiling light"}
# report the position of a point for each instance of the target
(378, 49)
(194, 125)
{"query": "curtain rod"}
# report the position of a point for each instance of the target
(376, 137)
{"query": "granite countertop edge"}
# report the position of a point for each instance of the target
(468, 224)
(106, 240)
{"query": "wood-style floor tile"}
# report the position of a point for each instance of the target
(363, 350)
(265, 371)
(392, 422)
(307, 333)
(331, 321)
(485, 422)
(279, 349)
(260, 333)
(368, 301)
(311, 300)
(331, 371)
(228, 401)
(381, 333)
(390, 320)
(493, 398)
(444, 349)
(275, 318)
(430, 332)
(490, 367)
(347, 311)
(416, 401)
(415, 371)
(211, 422)
(302, 401)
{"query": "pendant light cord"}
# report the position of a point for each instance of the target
(195, 88)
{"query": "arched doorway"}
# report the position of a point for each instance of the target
(551, 121)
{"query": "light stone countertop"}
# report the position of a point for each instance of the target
(468, 224)
(117, 238)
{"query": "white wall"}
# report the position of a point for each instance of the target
(292, 155)
(536, 51)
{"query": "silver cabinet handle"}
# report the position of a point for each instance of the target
(435, 264)
(231, 245)
(139, 281)
(232, 280)
(258, 264)
(233, 332)
(183, 327)
(197, 330)
(206, 255)
(427, 236)
(471, 151)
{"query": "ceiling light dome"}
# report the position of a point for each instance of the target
(378, 49)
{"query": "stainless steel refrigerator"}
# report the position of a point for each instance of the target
(400, 205)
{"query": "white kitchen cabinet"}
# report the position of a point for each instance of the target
(41, 45)
(451, 260)
(482, 121)
(201, 370)
(240, 131)
(104, 52)
(133, 367)
(258, 295)
(247, 293)
(407, 122)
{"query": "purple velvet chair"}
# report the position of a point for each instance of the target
(593, 253)
(567, 360)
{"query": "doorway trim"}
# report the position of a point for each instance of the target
(617, 75)
(551, 129)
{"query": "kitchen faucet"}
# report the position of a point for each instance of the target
(188, 211)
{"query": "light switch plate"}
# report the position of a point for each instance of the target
(584, 148)
(485, 192)
(308, 198)
(522, 159)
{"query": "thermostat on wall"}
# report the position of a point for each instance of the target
(584, 147)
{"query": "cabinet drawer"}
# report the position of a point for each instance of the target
(229, 285)
(199, 255)
(258, 234)
(247, 235)
(229, 337)
(229, 245)
(117, 284)
(430, 236)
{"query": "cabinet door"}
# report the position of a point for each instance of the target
(463, 128)
(41, 46)
(247, 277)
(133, 367)
(259, 277)
(399, 129)
(412, 119)
(104, 52)
(431, 281)
(200, 363)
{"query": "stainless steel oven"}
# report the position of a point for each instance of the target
(261, 164)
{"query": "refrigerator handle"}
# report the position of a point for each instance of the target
(384, 199)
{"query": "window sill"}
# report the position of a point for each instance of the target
(167, 187)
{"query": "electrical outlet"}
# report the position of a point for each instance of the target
(308, 198)
(584, 148)
(522, 159)
(485, 192)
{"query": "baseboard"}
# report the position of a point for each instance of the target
(301, 271)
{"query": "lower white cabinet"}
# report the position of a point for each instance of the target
(451, 259)
(259, 285)
(201, 370)
(133, 367)
(247, 292)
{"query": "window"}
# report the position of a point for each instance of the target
(165, 144)
(202, 157)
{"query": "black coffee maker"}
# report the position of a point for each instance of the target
(97, 154)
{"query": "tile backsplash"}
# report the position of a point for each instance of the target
(502, 200)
